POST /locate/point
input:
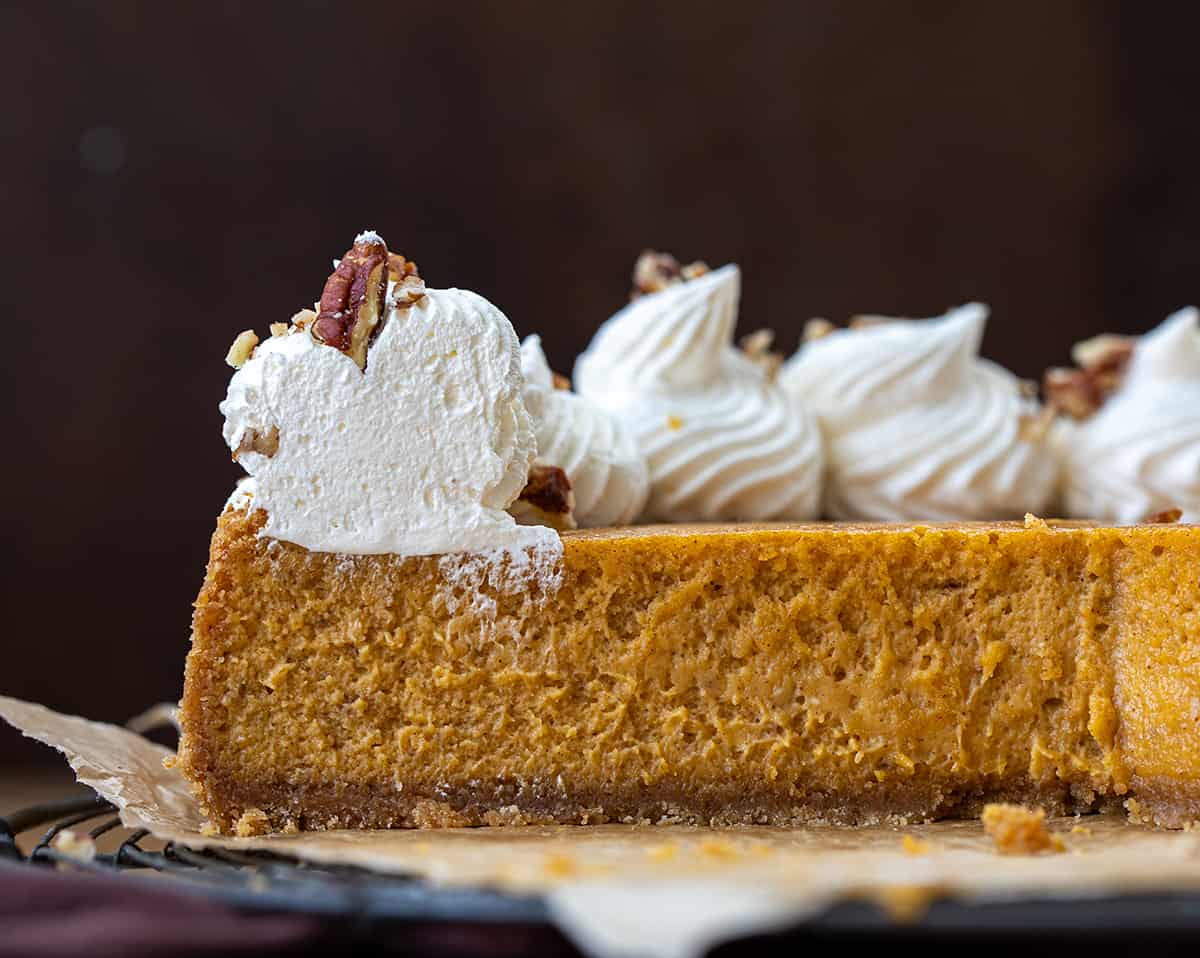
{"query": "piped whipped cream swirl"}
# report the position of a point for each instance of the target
(1140, 453)
(918, 426)
(420, 453)
(595, 449)
(722, 442)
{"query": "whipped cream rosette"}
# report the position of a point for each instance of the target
(721, 440)
(1139, 453)
(918, 426)
(608, 474)
(417, 449)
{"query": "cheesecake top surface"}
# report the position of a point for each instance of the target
(662, 530)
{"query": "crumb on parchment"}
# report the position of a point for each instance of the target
(1017, 830)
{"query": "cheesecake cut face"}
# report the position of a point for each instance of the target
(783, 675)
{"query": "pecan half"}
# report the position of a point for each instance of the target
(654, 272)
(352, 302)
(547, 498)
(1080, 392)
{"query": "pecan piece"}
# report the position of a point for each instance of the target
(654, 272)
(242, 349)
(1102, 362)
(757, 347)
(817, 328)
(264, 443)
(1165, 518)
(547, 499)
(352, 302)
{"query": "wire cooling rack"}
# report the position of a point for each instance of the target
(253, 879)
(259, 880)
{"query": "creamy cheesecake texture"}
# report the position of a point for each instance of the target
(777, 674)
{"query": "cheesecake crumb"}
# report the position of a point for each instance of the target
(718, 848)
(911, 845)
(907, 903)
(253, 821)
(560, 866)
(1017, 830)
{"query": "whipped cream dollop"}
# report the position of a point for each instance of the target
(721, 440)
(918, 426)
(1140, 453)
(598, 453)
(420, 453)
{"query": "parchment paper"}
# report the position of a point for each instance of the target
(647, 890)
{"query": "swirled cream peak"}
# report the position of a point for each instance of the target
(1139, 454)
(918, 426)
(721, 440)
(418, 453)
(598, 453)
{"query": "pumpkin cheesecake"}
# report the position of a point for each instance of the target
(401, 626)
(713, 674)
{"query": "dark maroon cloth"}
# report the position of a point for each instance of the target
(47, 914)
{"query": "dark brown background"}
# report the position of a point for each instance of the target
(172, 177)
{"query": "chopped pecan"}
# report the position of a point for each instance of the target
(352, 302)
(1080, 392)
(264, 443)
(654, 272)
(547, 498)
(304, 319)
(1035, 427)
(1105, 351)
(757, 347)
(560, 381)
(817, 328)
(242, 349)
(1166, 517)
(866, 321)
(279, 329)
(408, 286)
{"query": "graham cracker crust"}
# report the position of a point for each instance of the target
(251, 809)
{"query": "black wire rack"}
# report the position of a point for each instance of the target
(253, 879)
(267, 881)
